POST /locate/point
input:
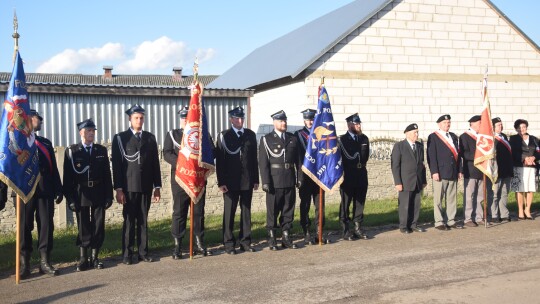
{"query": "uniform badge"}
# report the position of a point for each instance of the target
(78, 165)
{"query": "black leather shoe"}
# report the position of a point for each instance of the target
(272, 244)
(348, 236)
(455, 226)
(24, 272)
(145, 258)
(230, 251)
(418, 229)
(94, 260)
(127, 260)
(358, 232)
(286, 241)
(404, 230)
(45, 266)
(247, 248)
(442, 228)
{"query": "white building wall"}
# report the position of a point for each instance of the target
(414, 61)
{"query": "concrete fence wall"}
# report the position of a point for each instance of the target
(380, 187)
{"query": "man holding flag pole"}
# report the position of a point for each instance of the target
(322, 160)
(196, 156)
(20, 169)
(485, 157)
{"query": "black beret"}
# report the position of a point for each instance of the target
(88, 123)
(411, 127)
(444, 117)
(353, 118)
(519, 122)
(135, 109)
(35, 113)
(183, 112)
(475, 118)
(237, 112)
(309, 114)
(280, 115)
(496, 120)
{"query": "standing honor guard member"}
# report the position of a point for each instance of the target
(409, 173)
(473, 193)
(498, 196)
(355, 154)
(238, 175)
(278, 157)
(307, 188)
(181, 200)
(88, 190)
(136, 174)
(442, 157)
(48, 190)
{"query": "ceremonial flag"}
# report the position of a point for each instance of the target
(19, 164)
(484, 157)
(196, 157)
(322, 161)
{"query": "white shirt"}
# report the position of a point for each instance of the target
(448, 138)
(241, 130)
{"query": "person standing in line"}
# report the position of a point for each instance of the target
(238, 175)
(89, 192)
(409, 172)
(137, 181)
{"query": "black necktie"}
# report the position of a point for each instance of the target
(138, 135)
(88, 150)
(283, 136)
(355, 138)
(447, 135)
(240, 133)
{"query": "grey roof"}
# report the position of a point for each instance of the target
(291, 54)
(141, 81)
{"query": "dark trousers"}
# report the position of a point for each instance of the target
(356, 195)
(91, 223)
(135, 214)
(231, 199)
(280, 204)
(408, 208)
(307, 193)
(43, 211)
(181, 203)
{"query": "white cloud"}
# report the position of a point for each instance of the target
(70, 60)
(160, 56)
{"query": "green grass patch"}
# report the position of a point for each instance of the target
(377, 213)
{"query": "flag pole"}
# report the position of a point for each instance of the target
(320, 215)
(191, 230)
(18, 242)
(485, 202)
(16, 37)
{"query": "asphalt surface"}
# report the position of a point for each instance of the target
(500, 264)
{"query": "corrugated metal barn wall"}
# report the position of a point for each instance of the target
(61, 112)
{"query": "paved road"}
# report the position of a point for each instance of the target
(500, 264)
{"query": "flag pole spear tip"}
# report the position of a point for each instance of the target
(196, 70)
(15, 35)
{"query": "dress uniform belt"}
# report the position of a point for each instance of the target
(286, 166)
(90, 184)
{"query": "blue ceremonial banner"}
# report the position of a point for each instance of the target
(19, 165)
(322, 161)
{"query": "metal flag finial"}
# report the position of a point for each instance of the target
(196, 70)
(15, 35)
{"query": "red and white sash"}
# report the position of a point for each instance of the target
(452, 148)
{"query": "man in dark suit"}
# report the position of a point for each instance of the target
(355, 153)
(278, 158)
(505, 171)
(307, 188)
(473, 195)
(136, 174)
(181, 200)
(88, 190)
(442, 157)
(409, 174)
(238, 175)
(40, 206)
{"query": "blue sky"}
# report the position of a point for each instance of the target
(150, 37)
